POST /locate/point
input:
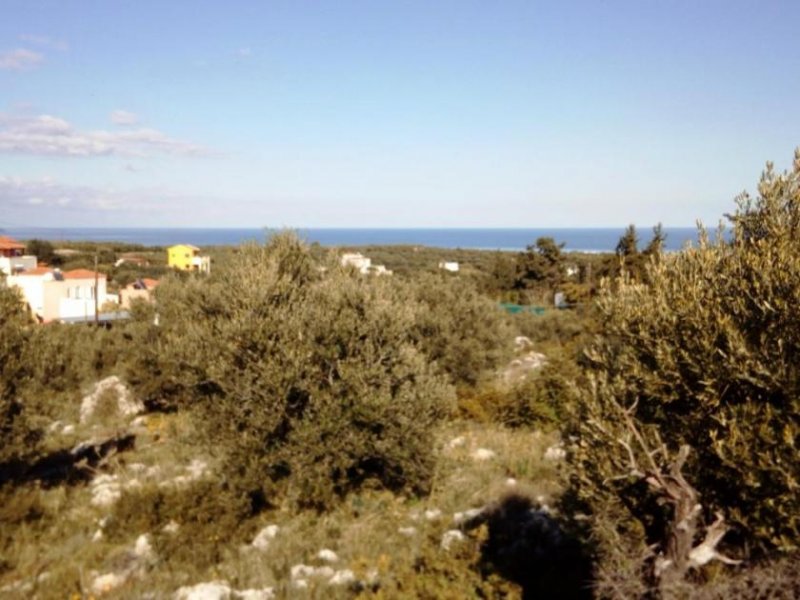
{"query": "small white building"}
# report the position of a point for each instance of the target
(363, 264)
(357, 260)
(449, 266)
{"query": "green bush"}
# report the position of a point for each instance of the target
(16, 435)
(211, 517)
(539, 400)
(462, 330)
(308, 382)
(705, 354)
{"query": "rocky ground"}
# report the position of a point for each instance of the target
(371, 544)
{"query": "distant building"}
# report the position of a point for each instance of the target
(10, 248)
(449, 266)
(12, 256)
(363, 264)
(357, 260)
(132, 259)
(139, 289)
(187, 258)
(53, 295)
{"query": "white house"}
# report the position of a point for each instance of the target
(449, 266)
(363, 264)
(52, 294)
(357, 260)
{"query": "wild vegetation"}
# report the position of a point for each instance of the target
(287, 427)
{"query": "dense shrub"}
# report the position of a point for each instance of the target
(705, 354)
(540, 400)
(16, 436)
(309, 382)
(211, 516)
(462, 330)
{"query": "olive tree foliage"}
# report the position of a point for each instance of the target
(697, 370)
(306, 379)
(16, 436)
(464, 332)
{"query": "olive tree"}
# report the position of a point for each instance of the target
(305, 376)
(695, 373)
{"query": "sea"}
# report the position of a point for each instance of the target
(574, 239)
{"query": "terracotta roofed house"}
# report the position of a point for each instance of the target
(12, 256)
(52, 294)
(141, 288)
(10, 247)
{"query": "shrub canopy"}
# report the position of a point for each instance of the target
(308, 380)
(706, 354)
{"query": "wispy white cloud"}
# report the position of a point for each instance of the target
(124, 117)
(244, 52)
(46, 135)
(20, 59)
(47, 202)
(45, 41)
(46, 193)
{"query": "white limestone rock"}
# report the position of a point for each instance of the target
(482, 454)
(263, 538)
(432, 514)
(143, 549)
(106, 490)
(212, 590)
(103, 584)
(342, 577)
(451, 537)
(555, 453)
(126, 404)
(467, 515)
(327, 555)
(171, 528)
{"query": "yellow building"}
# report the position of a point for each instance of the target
(187, 258)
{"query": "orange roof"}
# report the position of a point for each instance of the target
(36, 271)
(81, 274)
(6, 243)
(143, 284)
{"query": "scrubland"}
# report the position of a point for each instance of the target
(289, 428)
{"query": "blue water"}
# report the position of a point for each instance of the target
(585, 240)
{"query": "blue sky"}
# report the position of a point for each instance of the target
(391, 114)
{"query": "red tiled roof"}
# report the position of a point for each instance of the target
(143, 284)
(36, 271)
(6, 243)
(81, 274)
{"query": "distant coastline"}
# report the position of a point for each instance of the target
(574, 239)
